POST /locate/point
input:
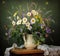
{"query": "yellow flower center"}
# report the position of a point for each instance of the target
(24, 19)
(32, 20)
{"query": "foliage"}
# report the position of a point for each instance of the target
(30, 22)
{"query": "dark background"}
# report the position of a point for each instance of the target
(5, 5)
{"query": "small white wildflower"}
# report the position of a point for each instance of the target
(29, 14)
(6, 33)
(18, 18)
(24, 20)
(19, 22)
(28, 24)
(34, 12)
(29, 27)
(13, 23)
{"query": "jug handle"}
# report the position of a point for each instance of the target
(24, 37)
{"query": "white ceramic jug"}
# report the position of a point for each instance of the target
(29, 41)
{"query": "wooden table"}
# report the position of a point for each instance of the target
(26, 52)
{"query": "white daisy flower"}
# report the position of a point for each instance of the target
(29, 27)
(34, 12)
(24, 20)
(19, 22)
(28, 24)
(33, 20)
(13, 23)
(29, 14)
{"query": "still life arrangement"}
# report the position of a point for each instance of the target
(30, 26)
